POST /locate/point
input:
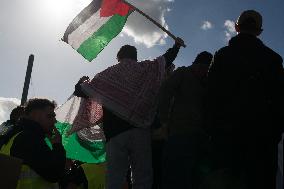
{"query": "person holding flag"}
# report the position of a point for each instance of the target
(124, 96)
(128, 93)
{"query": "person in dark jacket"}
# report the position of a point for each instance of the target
(15, 115)
(245, 106)
(30, 145)
(10, 127)
(181, 114)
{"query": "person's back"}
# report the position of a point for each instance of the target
(182, 97)
(245, 82)
(245, 85)
(188, 102)
(181, 114)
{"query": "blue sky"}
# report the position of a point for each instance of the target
(35, 26)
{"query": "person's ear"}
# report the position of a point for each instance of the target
(237, 28)
(259, 32)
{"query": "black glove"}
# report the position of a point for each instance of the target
(78, 90)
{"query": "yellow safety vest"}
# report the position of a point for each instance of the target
(95, 174)
(29, 179)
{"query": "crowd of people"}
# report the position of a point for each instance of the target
(213, 125)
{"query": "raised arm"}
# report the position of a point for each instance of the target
(172, 53)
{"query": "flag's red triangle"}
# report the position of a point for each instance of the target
(111, 7)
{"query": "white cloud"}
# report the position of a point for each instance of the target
(6, 106)
(141, 29)
(230, 26)
(206, 25)
(230, 29)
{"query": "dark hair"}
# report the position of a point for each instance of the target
(203, 58)
(16, 113)
(250, 21)
(38, 104)
(127, 51)
(249, 25)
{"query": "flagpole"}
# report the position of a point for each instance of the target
(154, 21)
(27, 80)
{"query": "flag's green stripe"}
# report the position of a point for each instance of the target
(90, 48)
(79, 150)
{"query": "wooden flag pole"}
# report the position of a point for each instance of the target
(154, 21)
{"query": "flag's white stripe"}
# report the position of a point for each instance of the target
(82, 33)
(67, 112)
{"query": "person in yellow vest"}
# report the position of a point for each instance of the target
(42, 166)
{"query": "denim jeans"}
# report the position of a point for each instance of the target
(130, 148)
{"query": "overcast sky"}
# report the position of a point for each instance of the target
(36, 26)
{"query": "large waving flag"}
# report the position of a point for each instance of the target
(95, 26)
(82, 140)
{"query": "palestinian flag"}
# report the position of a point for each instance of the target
(94, 27)
(86, 144)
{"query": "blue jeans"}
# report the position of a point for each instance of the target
(132, 147)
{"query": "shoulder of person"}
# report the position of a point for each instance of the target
(22, 144)
(223, 51)
(184, 72)
(6, 123)
(27, 138)
(273, 54)
(152, 60)
(181, 69)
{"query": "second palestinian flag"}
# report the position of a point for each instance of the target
(94, 27)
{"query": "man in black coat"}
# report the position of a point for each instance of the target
(30, 145)
(244, 107)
